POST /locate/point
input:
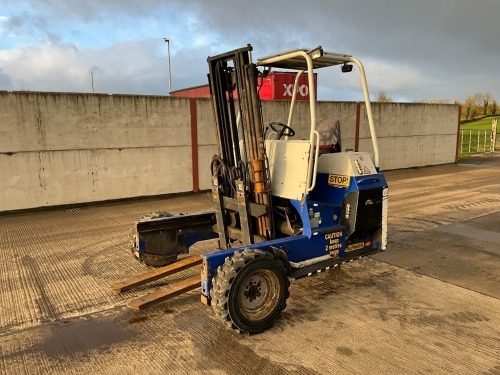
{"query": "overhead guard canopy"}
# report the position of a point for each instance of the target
(320, 59)
(305, 60)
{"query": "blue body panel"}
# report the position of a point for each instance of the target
(335, 195)
(328, 238)
(298, 248)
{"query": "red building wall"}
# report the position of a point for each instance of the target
(276, 86)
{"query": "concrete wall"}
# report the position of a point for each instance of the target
(412, 135)
(206, 141)
(71, 148)
(60, 148)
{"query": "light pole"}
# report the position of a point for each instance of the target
(169, 72)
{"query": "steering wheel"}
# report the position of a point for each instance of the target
(284, 131)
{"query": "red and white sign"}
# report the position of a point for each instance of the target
(279, 85)
(276, 86)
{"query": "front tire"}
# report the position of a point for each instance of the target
(250, 290)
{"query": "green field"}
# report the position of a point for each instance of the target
(484, 124)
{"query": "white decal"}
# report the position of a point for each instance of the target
(288, 89)
(303, 90)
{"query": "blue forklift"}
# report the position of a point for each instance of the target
(283, 208)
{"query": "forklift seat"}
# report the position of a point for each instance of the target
(329, 133)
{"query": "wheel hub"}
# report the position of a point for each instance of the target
(259, 294)
(253, 290)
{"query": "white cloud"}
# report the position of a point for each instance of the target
(412, 49)
(394, 79)
(381, 75)
(122, 68)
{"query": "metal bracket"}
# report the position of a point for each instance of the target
(218, 200)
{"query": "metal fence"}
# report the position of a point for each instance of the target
(477, 141)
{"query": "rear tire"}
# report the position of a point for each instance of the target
(250, 290)
(152, 260)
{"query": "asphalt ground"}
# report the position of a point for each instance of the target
(430, 304)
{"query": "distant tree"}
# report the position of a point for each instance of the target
(494, 107)
(478, 104)
(383, 97)
(467, 107)
(467, 112)
(485, 106)
(472, 113)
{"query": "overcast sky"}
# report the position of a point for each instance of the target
(412, 50)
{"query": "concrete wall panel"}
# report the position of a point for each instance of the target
(205, 154)
(206, 141)
(205, 121)
(36, 179)
(410, 119)
(55, 121)
(411, 134)
(59, 148)
(416, 151)
(20, 181)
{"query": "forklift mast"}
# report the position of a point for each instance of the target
(241, 184)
